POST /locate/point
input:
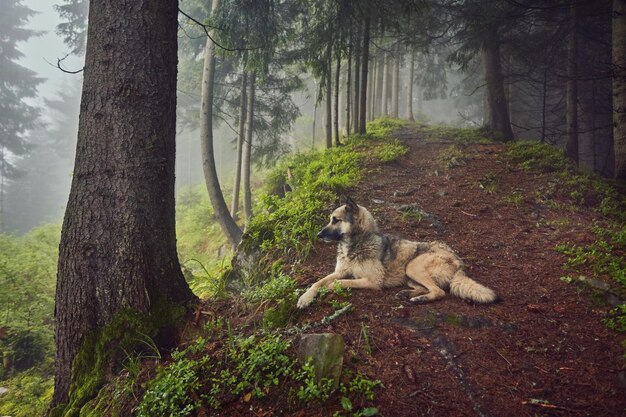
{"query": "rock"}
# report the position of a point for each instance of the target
(325, 351)
(3, 391)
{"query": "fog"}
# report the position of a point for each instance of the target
(38, 195)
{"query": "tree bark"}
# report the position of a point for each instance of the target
(364, 67)
(409, 89)
(234, 208)
(247, 150)
(357, 78)
(348, 89)
(571, 116)
(118, 242)
(371, 88)
(336, 115)
(395, 83)
(329, 96)
(498, 108)
(619, 88)
(220, 209)
(384, 93)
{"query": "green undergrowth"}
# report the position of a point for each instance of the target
(460, 135)
(229, 363)
(29, 394)
(288, 224)
(570, 189)
(208, 375)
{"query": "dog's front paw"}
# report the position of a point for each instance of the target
(306, 299)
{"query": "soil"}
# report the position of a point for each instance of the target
(542, 350)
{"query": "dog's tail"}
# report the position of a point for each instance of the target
(466, 288)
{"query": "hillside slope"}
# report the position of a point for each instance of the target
(543, 349)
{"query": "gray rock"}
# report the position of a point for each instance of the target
(3, 391)
(325, 351)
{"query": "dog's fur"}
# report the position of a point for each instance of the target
(376, 261)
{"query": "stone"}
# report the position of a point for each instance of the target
(325, 351)
(3, 391)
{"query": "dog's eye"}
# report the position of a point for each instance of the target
(334, 220)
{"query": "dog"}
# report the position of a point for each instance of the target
(368, 259)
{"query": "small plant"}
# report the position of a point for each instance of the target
(341, 291)
(489, 183)
(617, 319)
(366, 340)
(312, 389)
(452, 157)
(390, 151)
(514, 199)
(172, 392)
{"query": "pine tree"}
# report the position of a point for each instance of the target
(16, 84)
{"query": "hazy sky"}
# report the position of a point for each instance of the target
(41, 53)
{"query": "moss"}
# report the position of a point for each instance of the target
(453, 319)
(105, 349)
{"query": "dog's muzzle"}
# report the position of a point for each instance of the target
(330, 235)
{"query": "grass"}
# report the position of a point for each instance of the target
(570, 190)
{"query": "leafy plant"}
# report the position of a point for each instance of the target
(390, 151)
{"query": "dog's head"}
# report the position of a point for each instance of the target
(346, 220)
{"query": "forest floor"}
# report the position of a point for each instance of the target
(541, 350)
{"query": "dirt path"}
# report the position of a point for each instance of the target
(542, 350)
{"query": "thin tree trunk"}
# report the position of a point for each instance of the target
(220, 209)
(118, 243)
(336, 116)
(571, 147)
(544, 98)
(498, 107)
(385, 93)
(247, 151)
(314, 120)
(357, 77)
(619, 88)
(348, 89)
(364, 68)
(409, 89)
(370, 91)
(234, 208)
(372, 103)
(329, 96)
(395, 83)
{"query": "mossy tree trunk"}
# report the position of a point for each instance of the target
(118, 242)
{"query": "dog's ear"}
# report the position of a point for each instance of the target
(351, 206)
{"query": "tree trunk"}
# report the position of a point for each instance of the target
(336, 115)
(118, 242)
(619, 88)
(357, 77)
(348, 90)
(234, 208)
(220, 209)
(314, 119)
(409, 89)
(247, 151)
(384, 93)
(395, 82)
(375, 91)
(329, 96)
(364, 67)
(571, 116)
(498, 109)
(372, 87)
